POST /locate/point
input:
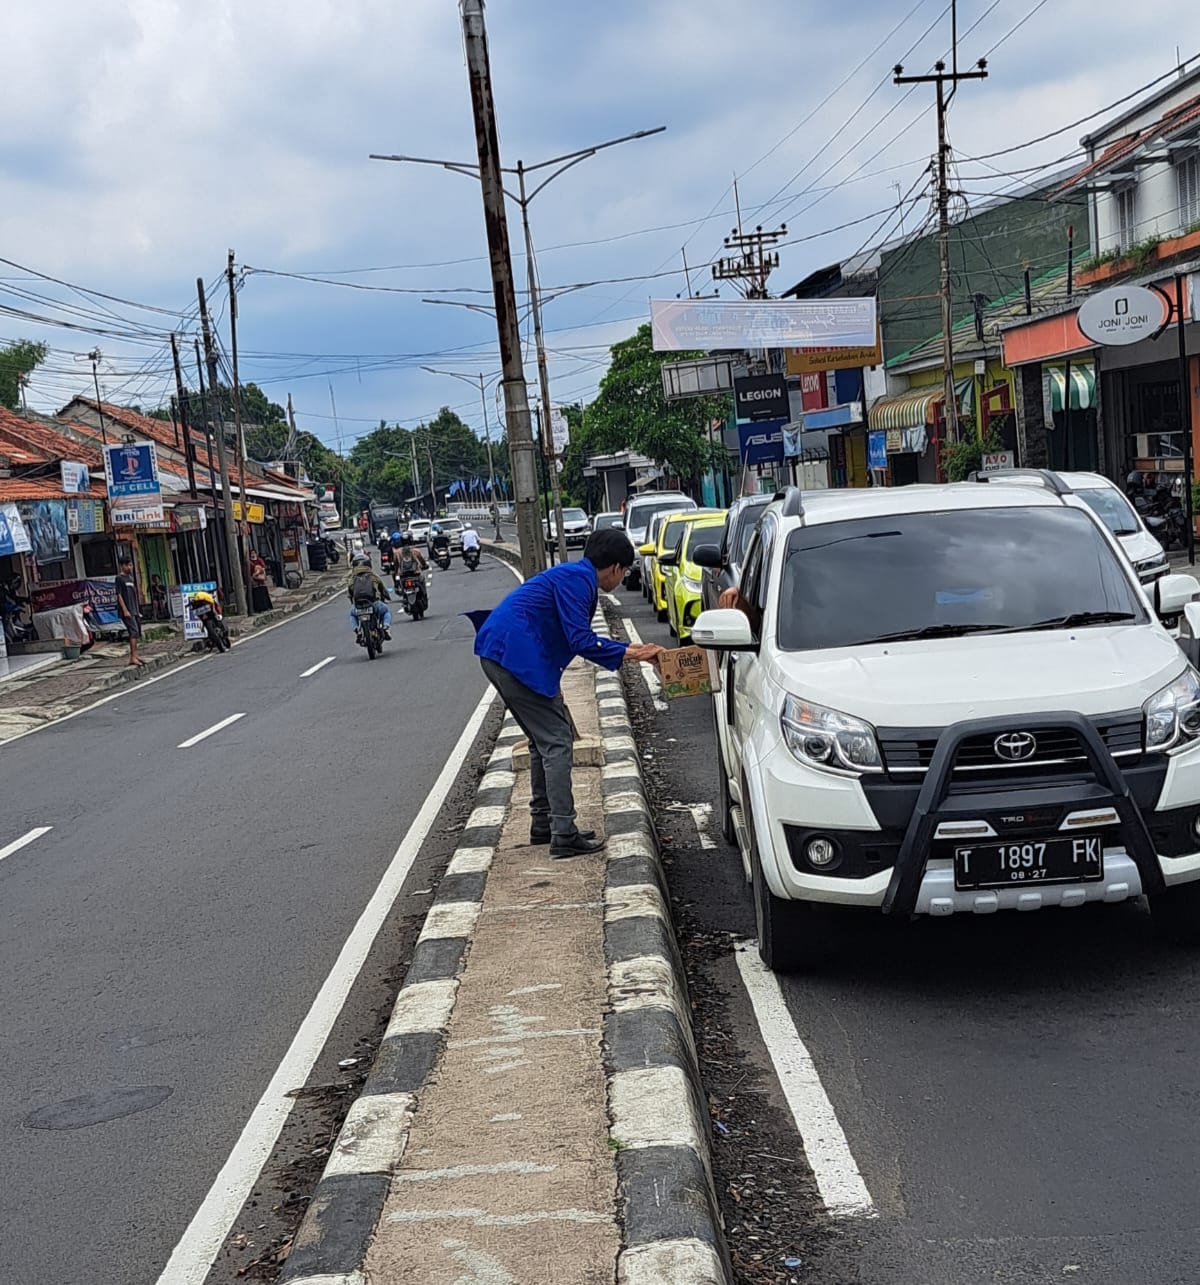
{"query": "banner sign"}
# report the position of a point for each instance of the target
(706, 324)
(793, 436)
(762, 442)
(134, 494)
(255, 513)
(100, 591)
(75, 478)
(85, 517)
(877, 450)
(46, 522)
(13, 536)
(560, 430)
(189, 517)
(761, 397)
(806, 361)
(193, 630)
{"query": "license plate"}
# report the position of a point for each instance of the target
(1077, 858)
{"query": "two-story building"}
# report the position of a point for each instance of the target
(1123, 410)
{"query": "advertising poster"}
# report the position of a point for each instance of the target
(193, 630)
(46, 523)
(13, 536)
(131, 475)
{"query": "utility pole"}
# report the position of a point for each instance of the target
(516, 398)
(432, 479)
(237, 410)
(212, 479)
(941, 79)
(755, 262)
(181, 400)
(337, 428)
(535, 307)
(231, 544)
(416, 467)
(289, 449)
(94, 358)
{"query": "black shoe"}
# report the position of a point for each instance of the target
(576, 846)
(544, 836)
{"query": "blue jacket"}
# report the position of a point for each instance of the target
(544, 624)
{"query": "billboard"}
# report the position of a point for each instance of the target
(761, 442)
(131, 474)
(761, 397)
(13, 536)
(682, 324)
(807, 361)
(46, 522)
(75, 478)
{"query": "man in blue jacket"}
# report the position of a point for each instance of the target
(525, 644)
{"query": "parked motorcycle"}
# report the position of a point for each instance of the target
(332, 552)
(216, 635)
(413, 597)
(471, 559)
(369, 630)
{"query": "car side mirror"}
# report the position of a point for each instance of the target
(646, 550)
(669, 559)
(725, 629)
(1173, 593)
(707, 555)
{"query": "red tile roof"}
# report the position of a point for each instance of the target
(39, 488)
(50, 443)
(1173, 121)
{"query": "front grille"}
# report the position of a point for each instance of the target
(907, 753)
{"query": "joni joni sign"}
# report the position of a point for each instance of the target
(1122, 315)
(682, 324)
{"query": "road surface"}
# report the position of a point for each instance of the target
(164, 938)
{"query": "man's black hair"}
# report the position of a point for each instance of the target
(603, 548)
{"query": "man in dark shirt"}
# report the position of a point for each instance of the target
(524, 646)
(127, 607)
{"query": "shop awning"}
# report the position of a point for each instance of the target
(1083, 386)
(906, 410)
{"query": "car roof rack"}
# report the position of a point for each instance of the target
(1048, 478)
(793, 502)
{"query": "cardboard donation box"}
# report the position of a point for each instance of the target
(688, 671)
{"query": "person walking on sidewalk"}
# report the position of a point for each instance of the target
(524, 646)
(127, 607)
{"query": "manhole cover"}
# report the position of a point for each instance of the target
(97, 1108)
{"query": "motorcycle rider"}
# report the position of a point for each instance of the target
(470, 538)
(439, 542)
(411, 563)
(365, 586)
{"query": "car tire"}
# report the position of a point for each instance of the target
(793, 936)
(1176, 914)
(728, 833)
(663, 615)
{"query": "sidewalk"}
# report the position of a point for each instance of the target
(534, 1112)
(46, 692)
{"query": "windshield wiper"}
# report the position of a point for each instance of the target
(1074, 618)
(943, 630)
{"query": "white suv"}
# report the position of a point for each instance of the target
(954, 699)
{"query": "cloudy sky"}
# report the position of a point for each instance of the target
(140, 140)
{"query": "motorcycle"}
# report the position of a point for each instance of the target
(332, 552)
(410, 586)
(441, 555)
(471, 559)
(216, 635)
(369, 629)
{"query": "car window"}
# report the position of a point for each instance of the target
(908, 575)
(574, 515)
(643, 511)
(745, 529)
(672, 534)
(696, 535)
(1112, 508)
(608, 520)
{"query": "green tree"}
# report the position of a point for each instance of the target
(17, 360)
(631, 413)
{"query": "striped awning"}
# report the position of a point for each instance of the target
(906, 410)
(1083, 386)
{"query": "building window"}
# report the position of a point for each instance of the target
(1187, 176)
(1126, 200)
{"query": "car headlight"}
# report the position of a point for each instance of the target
(826, 738)
(692, 586)
(1172, 716)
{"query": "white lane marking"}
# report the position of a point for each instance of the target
(308, 673)
(197, 1250)
(17, 844)
(838, 1178)
(701, 816)
(133, 690)
(209, 731)
(649, 673)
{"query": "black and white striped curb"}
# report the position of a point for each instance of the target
(666, 1200)
(331, 1244)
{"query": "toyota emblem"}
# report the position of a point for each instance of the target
(1015, 746)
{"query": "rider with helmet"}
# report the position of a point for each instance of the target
(364, 587)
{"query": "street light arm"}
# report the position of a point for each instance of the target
(589, 151)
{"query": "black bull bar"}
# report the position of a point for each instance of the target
(1107, 788)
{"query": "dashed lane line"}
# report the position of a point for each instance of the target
(209, 731)
(313, 669)
(17, 844)
(838, 1178)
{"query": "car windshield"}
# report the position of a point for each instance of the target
(574, 515)
(450, 524)
(1112, 508)
(747, 519)
(607, 520)
(698, 535)
(643, 513)
(672, 535)
(912, 575)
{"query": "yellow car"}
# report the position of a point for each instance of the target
(683, 575)
(666, 532)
